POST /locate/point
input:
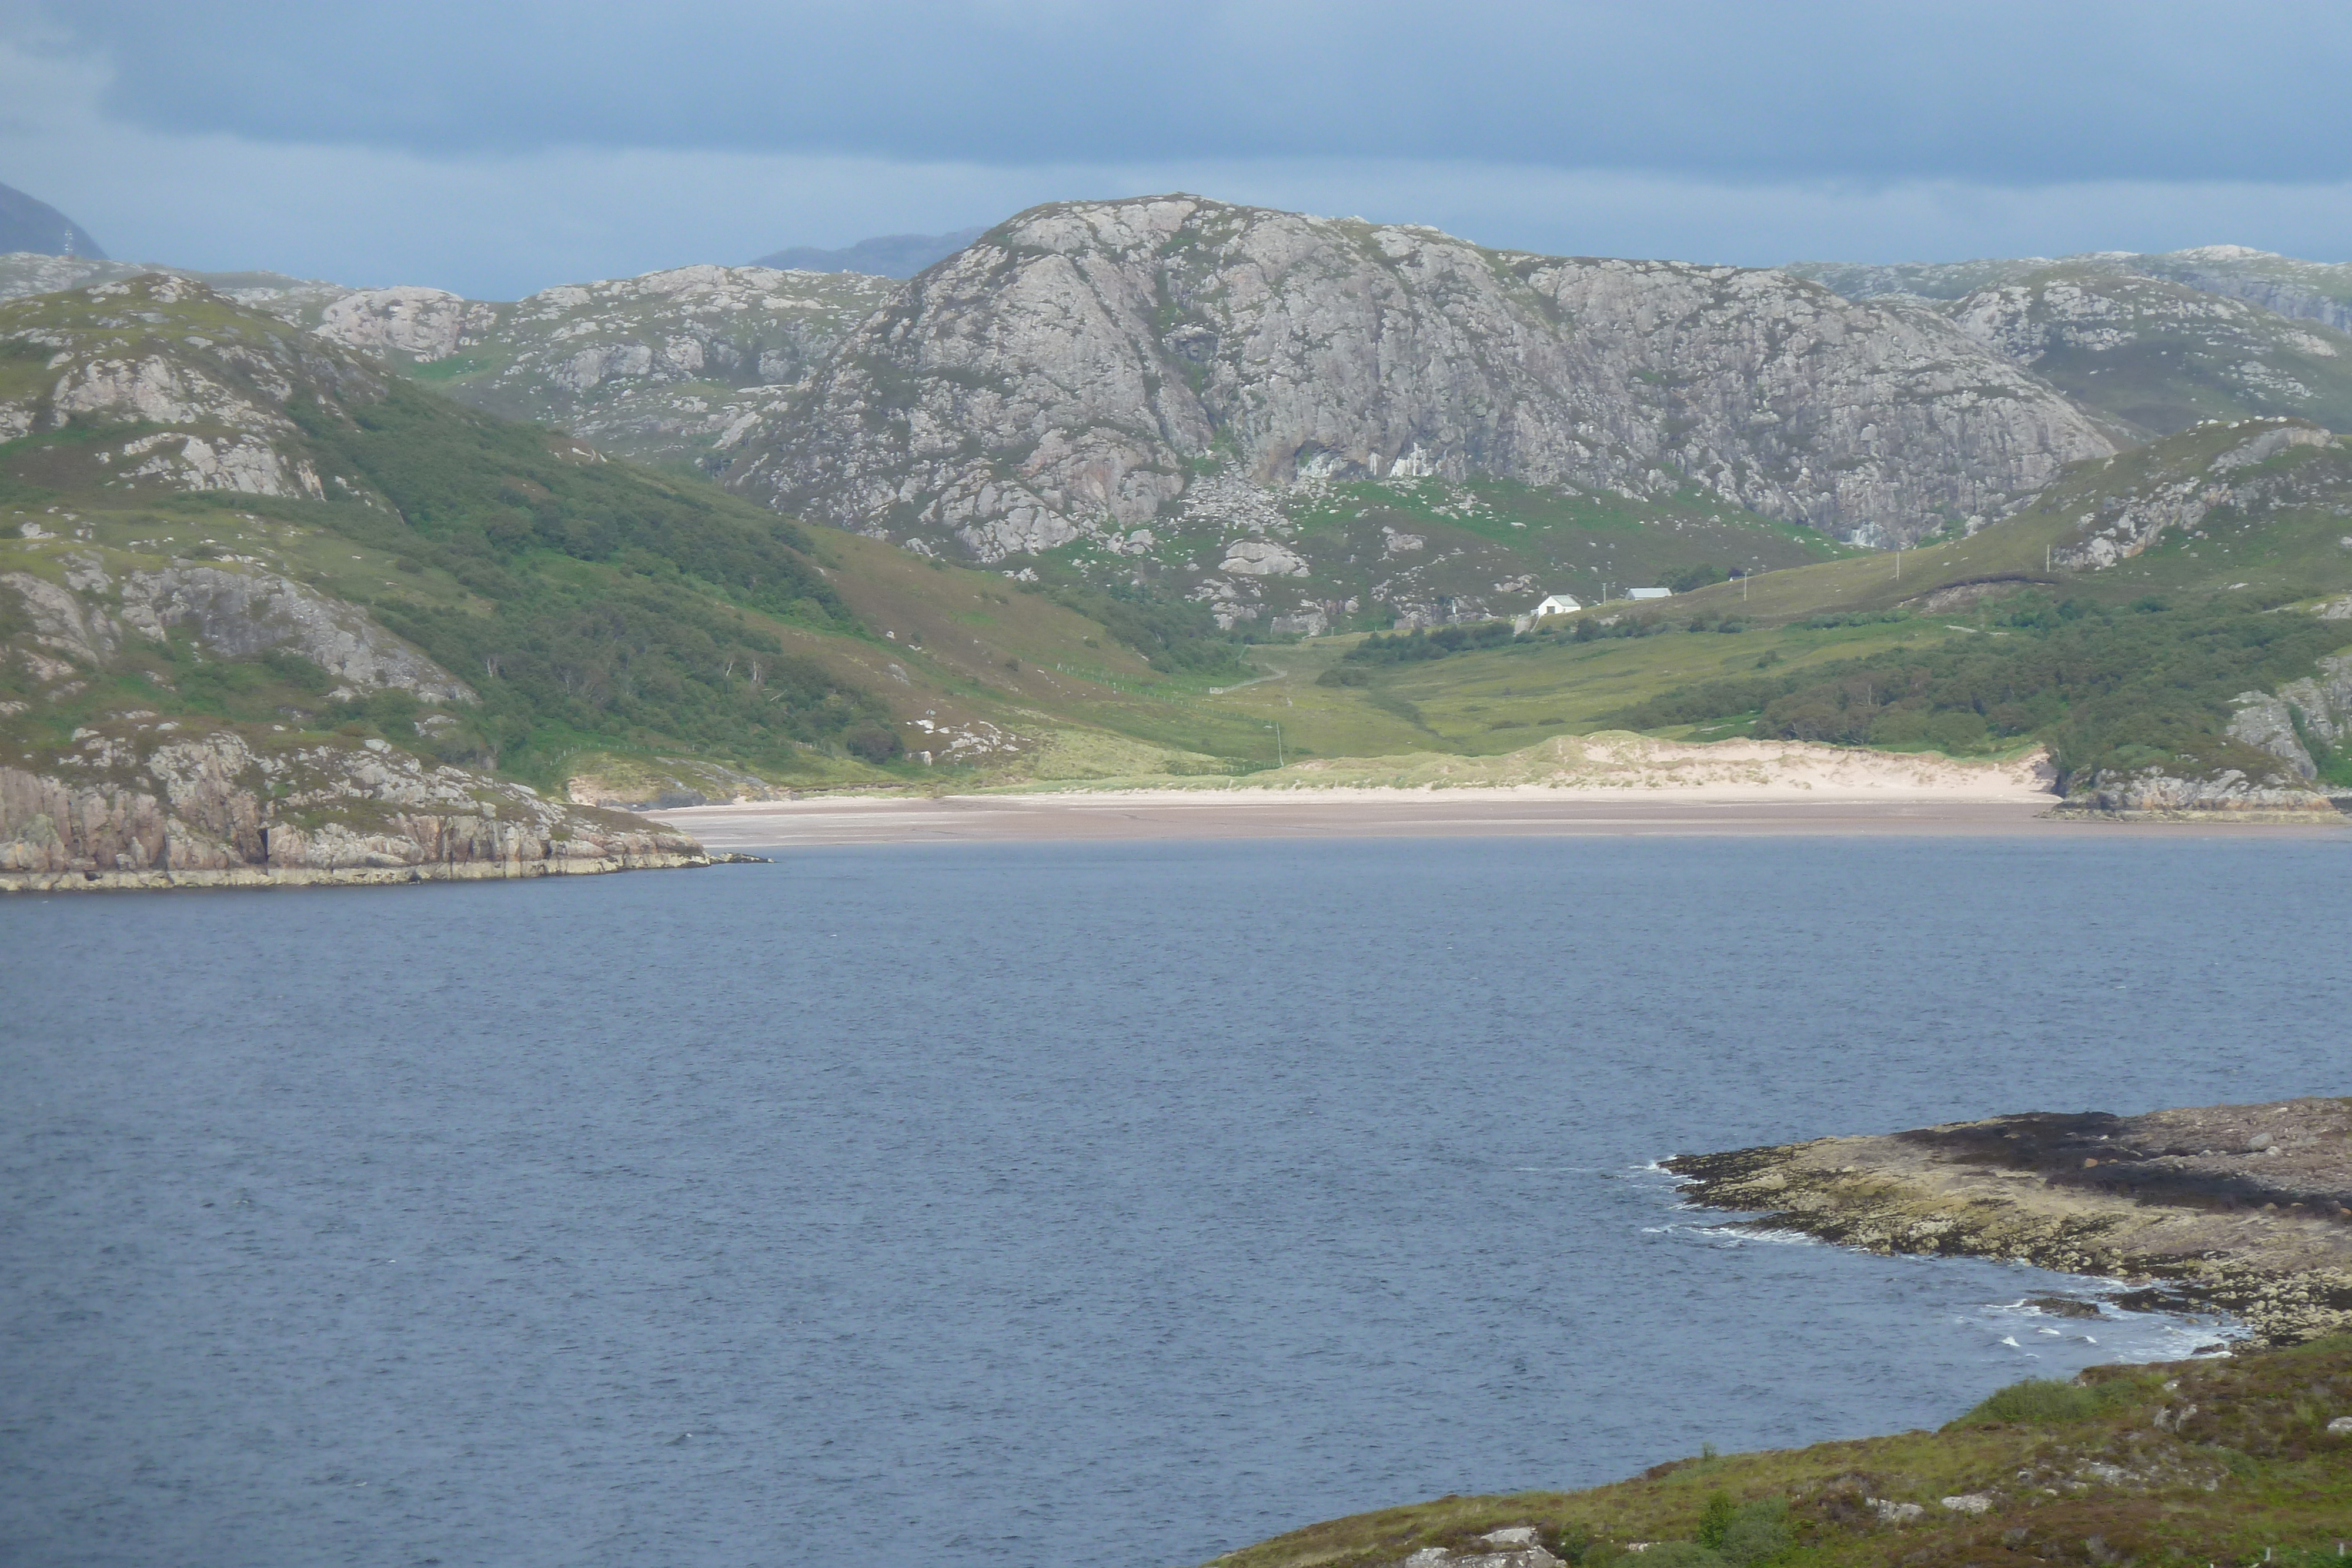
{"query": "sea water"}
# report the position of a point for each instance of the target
(1030, 1205)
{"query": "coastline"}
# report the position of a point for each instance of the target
(2247, 1208)
(1163, 814)
(343, 876)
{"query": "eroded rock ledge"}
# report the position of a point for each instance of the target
(156, 805)
(2245, 1207)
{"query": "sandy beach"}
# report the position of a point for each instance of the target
(1178, 814)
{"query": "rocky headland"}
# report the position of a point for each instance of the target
(2245, 1209)
(162, 804)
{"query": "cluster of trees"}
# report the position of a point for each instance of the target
(1429, 643)
(1175, 636)
(2102, 687)
(653, 650)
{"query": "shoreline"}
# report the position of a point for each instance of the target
(2244, 1208)
(36, 883)
(1104, 815)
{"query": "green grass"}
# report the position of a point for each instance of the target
(2073, 1472)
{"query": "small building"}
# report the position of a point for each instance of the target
(1556, 604)
(1649, 593)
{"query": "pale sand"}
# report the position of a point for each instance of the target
(1180, 814)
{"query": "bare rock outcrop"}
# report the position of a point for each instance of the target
(239, 613)
(2315, 710)
(671, 364)
(152, 805)
(1071, 372)
(2129, 519)
(235, 612)
(121, 353)
(2248, 1208)
(2155, 794)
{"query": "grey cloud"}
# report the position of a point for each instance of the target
(1994, 90)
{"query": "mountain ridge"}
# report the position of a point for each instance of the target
(1071, 372)
(883, 255)
(28, 224)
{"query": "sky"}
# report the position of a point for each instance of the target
(498, 149)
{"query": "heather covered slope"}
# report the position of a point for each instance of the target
(212, 521)
(2238, 1460)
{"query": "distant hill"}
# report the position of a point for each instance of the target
(29, 224)
(887, 256)
(2316, 290)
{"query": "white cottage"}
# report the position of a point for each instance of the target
(1556, 604)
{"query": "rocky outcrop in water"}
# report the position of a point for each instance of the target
(153, 805)
(1070, 374)
(2157, 795)
(2248, 1208)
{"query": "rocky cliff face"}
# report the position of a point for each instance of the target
(1069, 375)
(659, 366)
(162, 804)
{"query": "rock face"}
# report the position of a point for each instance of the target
(175, 805)
(666, 365)
(1069, 373)
(234, 612)
(2313, 712)
(2262, 466)
(2246, 1207)
(2151, 794)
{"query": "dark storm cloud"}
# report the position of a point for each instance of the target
(2007, 93)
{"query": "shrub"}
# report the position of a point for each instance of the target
(2038, 1401)
(871, 742)
(1676, 1554)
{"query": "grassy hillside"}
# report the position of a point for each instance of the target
(2268, 530)
(2224, 1461)
(601, 610)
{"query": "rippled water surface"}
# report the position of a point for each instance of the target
(1032, 1204)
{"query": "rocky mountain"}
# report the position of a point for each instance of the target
(2285, 285)
(34, 226)
(2313, 291)
(2158, 355)
(296, 299)
(1098, 374)
(219, 531)
(664, 366)
(661, 367)
(887, 256)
